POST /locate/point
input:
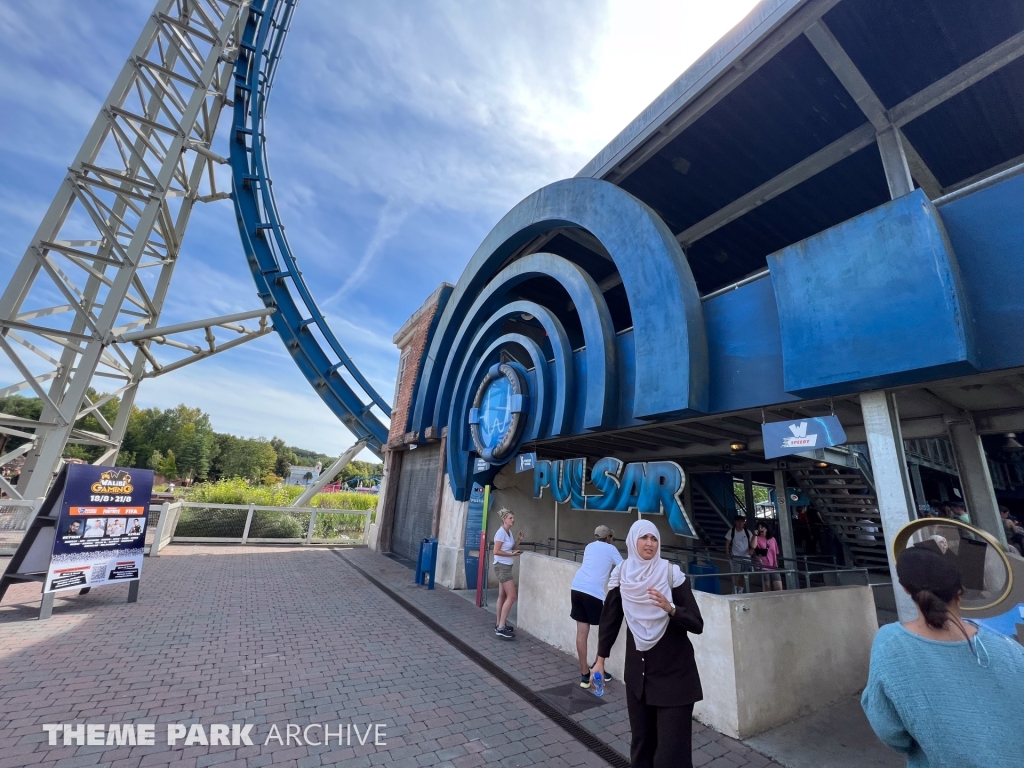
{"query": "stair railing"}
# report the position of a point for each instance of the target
(712, 501)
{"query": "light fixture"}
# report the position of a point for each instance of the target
(737, 446)
(823, 464)
(1010, 444)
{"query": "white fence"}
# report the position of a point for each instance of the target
(200, 522)
(187, 521)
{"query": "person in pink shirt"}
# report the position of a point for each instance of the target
(766, 556)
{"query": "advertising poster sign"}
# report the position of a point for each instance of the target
(474, 524)
(101, 528)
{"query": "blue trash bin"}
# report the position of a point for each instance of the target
(705, 583)
(426, 562)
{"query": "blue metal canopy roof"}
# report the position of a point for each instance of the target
(760, 143)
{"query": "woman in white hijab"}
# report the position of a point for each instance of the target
(662, 682)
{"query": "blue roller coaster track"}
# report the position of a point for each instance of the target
(279, 283)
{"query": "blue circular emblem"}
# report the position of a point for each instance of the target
(498, 416)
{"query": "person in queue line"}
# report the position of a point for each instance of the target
(588, 591)
(942, 690)
(1014, 531)
(766, 557)
(662, 680)
(739, 544)
(505, 548)
(958, 511)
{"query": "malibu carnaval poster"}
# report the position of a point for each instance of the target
(101, 530)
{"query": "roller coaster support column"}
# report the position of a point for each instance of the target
(101, 260)
(891, 479)
(331, 473)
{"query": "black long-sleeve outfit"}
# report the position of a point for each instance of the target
(662, 683)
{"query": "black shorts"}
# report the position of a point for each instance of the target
(586, 608)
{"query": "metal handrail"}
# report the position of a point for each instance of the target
(803, 576)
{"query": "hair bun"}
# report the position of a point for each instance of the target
(923, 569)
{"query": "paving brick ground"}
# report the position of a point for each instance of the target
(269, 636)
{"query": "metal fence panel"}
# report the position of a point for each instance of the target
(210, 521)
(279, 524)
(15, 517)
(240, 523)
(339, 527)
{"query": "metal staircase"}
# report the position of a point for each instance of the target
(845, 499)
(707, 516)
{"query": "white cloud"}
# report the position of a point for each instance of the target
(283, 406)
(388, 222)
(398, 134)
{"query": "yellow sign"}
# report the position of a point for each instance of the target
(114, 481)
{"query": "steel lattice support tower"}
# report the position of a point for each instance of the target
(101, 262)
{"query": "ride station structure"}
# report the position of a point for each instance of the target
(821, 217)
(818, 223)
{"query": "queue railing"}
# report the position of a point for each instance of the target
(803, 572)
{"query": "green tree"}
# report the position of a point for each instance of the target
(168, 467)
(194, 455)
(153, 434)
(73, 451)
(360, 470)
(252, 459)
(310, 458)
(285, 457)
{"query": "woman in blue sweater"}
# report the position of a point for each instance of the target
(942, 690)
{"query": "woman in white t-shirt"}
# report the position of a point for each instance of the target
(588, 591)
(504, 550)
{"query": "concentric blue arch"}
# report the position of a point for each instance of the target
(668, 320)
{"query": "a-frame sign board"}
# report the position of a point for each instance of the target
(31, 561)
(85, 533)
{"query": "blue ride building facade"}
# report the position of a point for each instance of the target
(823, 216)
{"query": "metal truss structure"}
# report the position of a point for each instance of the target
(94, 279)
(93, 282)
(280, 284)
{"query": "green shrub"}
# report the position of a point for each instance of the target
(212, 523)
(229, 523)
(332, 525)
(240, 492)
(278, 525)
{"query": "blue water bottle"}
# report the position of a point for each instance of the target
(598, 684)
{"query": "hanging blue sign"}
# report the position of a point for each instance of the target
(525, 462)
(783, 438)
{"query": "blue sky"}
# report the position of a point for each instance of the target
(398, 134)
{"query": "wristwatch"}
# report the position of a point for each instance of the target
(673, 611)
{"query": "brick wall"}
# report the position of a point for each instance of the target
(411, 340)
